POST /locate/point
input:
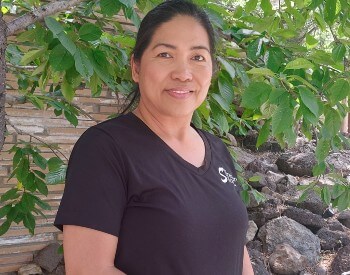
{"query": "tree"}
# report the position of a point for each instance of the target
(283, 69)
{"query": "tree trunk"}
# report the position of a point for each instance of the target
(3, 28)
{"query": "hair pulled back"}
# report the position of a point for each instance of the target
(163, 13)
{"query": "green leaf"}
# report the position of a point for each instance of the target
(245, 197)
(261, 71)
(326, 195)
(22, 169)
(72, 118)
(344, 200)
(196, 120)
(54, 163)
(332, 123)
(29, 222)
(263, 133)
(309, 100)
(128, 3)
(339, 91)
(282, 119)
(320, 21)
(254, 49)
(89, 32)
(28, 183)
(67, 90)
(338, 52)
(4, 227)
(311, 41)
(221, 101)
(57, 176)
(31, 56)
(278, 96)
(275, 58)
(299, 63)
(41, 186)
(266, 6)
(27, 202)
(17, 157)
(4, 210)
(330, 11)
(58, 30)
(256, 94)
(39, 160)
(53, 25)
(83, 64)
(250, 5)
(37, 102)
(227, 66)
(110, 7)
(254, 179)
(10, 195)
(322, 150)
(226, 87)
(219, 117)
(60, 59)
(44, 205)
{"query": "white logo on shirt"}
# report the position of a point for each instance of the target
(227, 177)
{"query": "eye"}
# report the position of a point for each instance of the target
(165, 55)
(198, 58)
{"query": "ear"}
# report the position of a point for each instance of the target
(135, 68)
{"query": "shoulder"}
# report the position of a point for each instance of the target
(109, 131)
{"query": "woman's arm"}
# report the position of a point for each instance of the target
(88, 251)
(247, 264)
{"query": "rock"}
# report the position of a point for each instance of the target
(272, 178)
(265, 212)
(286, 260)
(261, 166)
(255, 244)
(344, 218)
(243, 157)
(30, 269)
(303, 145)
(268, 191)
(60, 270)
(287, 231)
(249, 142)
(255, 184)
(340, 161)
(312, 202)
(285, 183)
(305, 217)
(341, 262)
(232, 139)
(332, 240)
(335, 225)
(258, 263)
(251, 232)
(48, 258)
(297, 164)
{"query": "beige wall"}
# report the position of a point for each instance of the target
(17, 245)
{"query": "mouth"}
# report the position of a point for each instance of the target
(179, 93)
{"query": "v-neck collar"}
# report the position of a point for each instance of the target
(207, 157)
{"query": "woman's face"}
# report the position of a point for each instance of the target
(175, 70)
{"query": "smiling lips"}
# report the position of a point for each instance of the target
(180, 94)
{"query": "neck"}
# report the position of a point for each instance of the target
(166, 127)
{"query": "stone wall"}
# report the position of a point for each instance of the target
(17, 246)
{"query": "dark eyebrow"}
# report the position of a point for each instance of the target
(174, 47)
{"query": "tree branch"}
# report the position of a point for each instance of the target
(21, 67)
(29, 18)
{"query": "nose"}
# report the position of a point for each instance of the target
(182, 71)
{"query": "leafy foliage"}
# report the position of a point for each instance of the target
(282, 69)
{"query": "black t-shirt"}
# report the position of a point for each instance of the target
(170, 216)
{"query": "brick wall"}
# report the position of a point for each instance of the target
(17, 246)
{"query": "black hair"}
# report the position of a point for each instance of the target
(163, 13)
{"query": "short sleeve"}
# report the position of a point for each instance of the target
(95, 190)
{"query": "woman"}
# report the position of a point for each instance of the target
(147, 192)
